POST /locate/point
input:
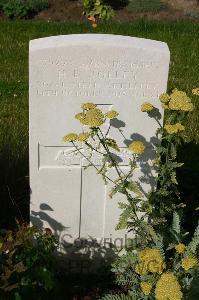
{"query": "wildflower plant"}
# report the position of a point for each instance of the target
(162, 270)
(161, 261)
(97, 9)
(166, 197)
(96, 140)
(26, 262)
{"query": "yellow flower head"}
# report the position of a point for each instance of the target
(150, 261)
(146, 288)
(71, 137)
(88, 106)
(82, 137)
(180, 248)
(175, 128)
(79, 116)
(165, 106)
(147, 107)
(195, 91)
(188, 106)
(189, 263)
(168, 288)
(111, 114)
(93, 118)
(137, 147)
(180, 101)
(164, 98)
(180, 127)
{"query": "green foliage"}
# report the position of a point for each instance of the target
(1, 4)
(140, 6)
(166, 198)
(124, 267)
(159, 244)
(176, 223)
(26, 261)
(119, 297)
(172, 250)
(23, 8)
(134, 213)
(193, 245)
(97, 9)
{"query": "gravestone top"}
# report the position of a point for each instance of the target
(114, 72)
(105, 39)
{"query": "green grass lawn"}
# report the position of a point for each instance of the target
(182, 39)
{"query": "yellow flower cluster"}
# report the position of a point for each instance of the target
(195, 91)
(189, 263)
(137, 147)
(175, 128)
(88, 106)
(146, 288)
(150, 261)
(180, 248)
(71, 137)
(180, 101)
(168, 288)
(147, 107)
(93, 117)
(82, 137)
(79, 116)
(111, 114)
(164, 98)
(177, 100)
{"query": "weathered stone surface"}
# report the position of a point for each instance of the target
(115, 72)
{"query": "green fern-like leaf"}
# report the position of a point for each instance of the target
(133, 187)
(176, 223)
(193, 245)
(123, 268)
(127, 279)
(150, 231)
(159, 245)
(124, 216)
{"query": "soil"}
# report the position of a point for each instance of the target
(72, 10)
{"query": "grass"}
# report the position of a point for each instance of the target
(140, 6)
(182, 39)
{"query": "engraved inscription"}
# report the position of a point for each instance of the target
(71, 157)
(95, 77)
(60, 156)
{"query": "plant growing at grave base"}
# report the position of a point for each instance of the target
(26, 262)
(96, 9)
(161, 261)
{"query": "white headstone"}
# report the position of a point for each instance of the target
(115, 72)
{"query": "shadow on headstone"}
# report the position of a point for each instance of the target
(86, 256)
(116, 123)
(82, 256)
(145, 161)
